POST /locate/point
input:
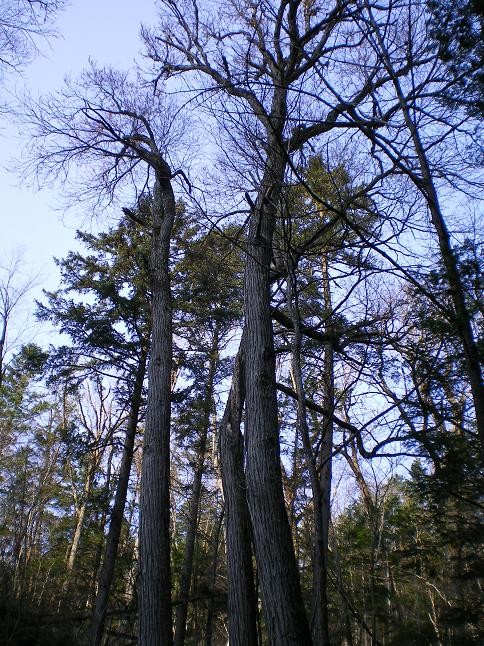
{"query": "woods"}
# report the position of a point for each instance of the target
(262, 419)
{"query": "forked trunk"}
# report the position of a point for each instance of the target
(242, 609)
(278, 574)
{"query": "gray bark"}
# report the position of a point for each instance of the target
(154, 602)
(278, 574)
(242, 608)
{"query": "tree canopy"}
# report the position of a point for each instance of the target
(264, 420)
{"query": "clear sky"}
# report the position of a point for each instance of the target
(31, 221)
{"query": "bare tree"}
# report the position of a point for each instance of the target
(416, 136)
(22, 24)
(12, 292)
(263, 68)
(121, 135)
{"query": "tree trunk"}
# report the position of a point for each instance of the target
(187, 564)
(279, 577)
(326, 459)
(212, 581)
(106, 573)
(320, 481)
(242, 608)
(154, 602)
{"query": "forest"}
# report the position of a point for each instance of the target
(261, 420)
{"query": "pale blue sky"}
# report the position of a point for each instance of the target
(30, 221)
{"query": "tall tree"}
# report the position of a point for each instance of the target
(208, 299)
(286, 41)
(124, 133)
(116, 274)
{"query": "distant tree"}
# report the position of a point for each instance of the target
(13, 290)
(110, 336)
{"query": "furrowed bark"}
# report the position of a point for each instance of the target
(154, 604)
(278, 574)
(242, 614)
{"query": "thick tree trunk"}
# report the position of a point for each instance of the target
(279, 578)
(154, 602)
(112, 541)
(242, 614)
(187, 564)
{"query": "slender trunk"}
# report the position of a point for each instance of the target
(319, 633)
(212, 581)
(187, 564)
(3, 340)
(154, 603)
(320, 479)
(106, 573)
(376, 520)
(242, 606)
(326, 455)
(77, 533)
(279, 577)
(81, 513)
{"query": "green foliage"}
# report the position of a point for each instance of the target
(207, 279)
(458, 28)
(104, 305)
(416, 568)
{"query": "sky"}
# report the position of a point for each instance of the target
(32, 222)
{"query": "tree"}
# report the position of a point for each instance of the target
(12, 293)
(207, 289)
(110, 337)
(458, 28)
(32, 453)
(361, 317)
(124, 134)
(297, 41)
(431, 163)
